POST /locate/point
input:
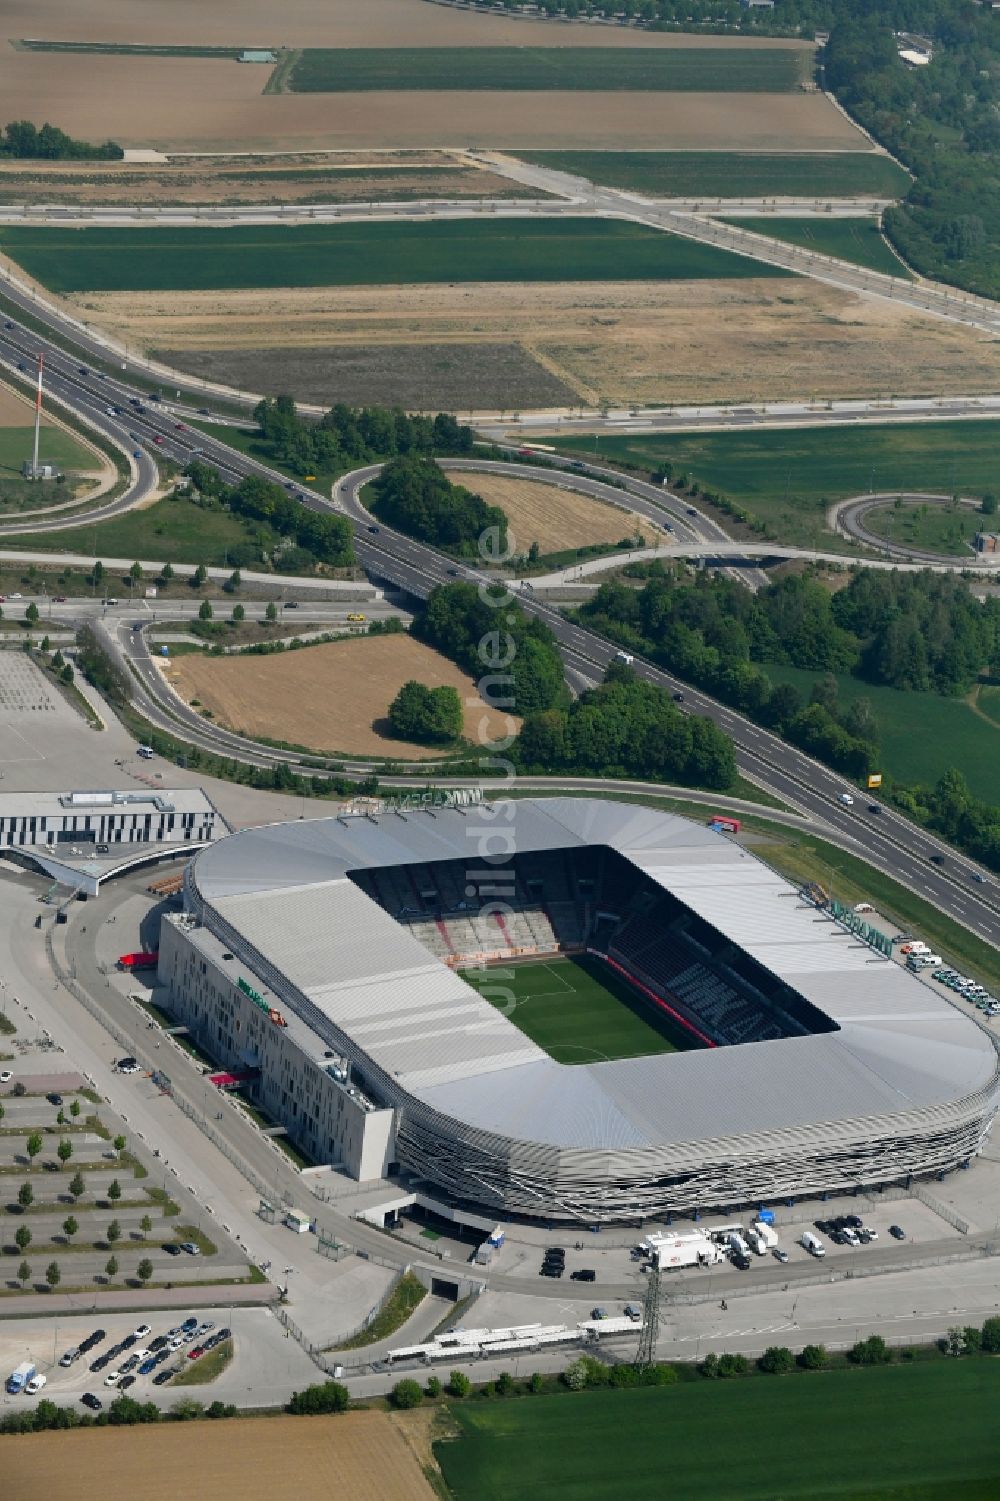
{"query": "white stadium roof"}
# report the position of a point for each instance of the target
(898, 1047)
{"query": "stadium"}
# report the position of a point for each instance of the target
(568, 1009)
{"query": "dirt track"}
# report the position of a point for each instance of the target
(332, 698)
(616, 342)
(362, 1455)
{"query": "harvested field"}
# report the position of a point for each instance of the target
(635, 69)
(555, 518)
(310, 180)
(332, 698)
(624, 343)
(367, 253)
(16, 412)
(361, 1454)
(417, 376)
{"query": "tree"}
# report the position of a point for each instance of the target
(33, 1145)
(67, 675)
(18, 1089)
(233, 582)
(64, 1151)
(113, 1232)
(22, 1238)
(972, 1340)
(145, 1224)
(813, 1357)
(166, 573)
(205, 611)
(135, 573)
(47, 646)
(61, 1118)
(426, 715)
(870, 1351)
(989, 504)
(459, 1384)
(70, 1226)
(31, 613)
(111, 1268)
(406, 1394)
(433, 1387)
(326, 1396)
(536, 1382)
(97, 573)
(574, 1376)
(74, 1108)
(114, 1190)
(271, 613)
(777, 1360)
(990, 1336)
(119, 1144)
(505, 1384)
(53, 1276)
(57, 656)
(77, 1185)
(733, 1365)
(24, 1273)
(199, 576)
(26, 1196)
(238, 615)
(144, 1270)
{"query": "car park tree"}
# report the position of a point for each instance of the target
(113, 1233)
(111, 1268)
(406, 1394)
(61, 1118)
(271, 613)
(144, 1270)
(31, 613)
(24, 1273)
(53, 1276)
(205, 611)
(74, 1108)
(199, 576)
(119, 1144)
(64, 1151)
(22, 1237)
(70, 1226)
(145, 1224)
(26, 1196)
(77, 1184)
(114, 1190)
(135, 573)
(238, 615)
(33, 1145)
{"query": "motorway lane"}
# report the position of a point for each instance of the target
(893, 844)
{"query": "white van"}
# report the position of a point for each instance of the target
(145, 751)
(813, 1244)
(924, 961)
(847, 800)
(624, 656)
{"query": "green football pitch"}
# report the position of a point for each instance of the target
(578, 1010)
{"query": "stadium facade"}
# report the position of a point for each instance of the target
(316, 960)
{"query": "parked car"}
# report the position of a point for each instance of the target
(35, 1385)
(171, 1248)
(192, 1250)
(112, 1378)
(190, 1323)
(89, 1400)
(196, 1353)
(585, 1274)
(68, 1358)
(162, 1377)
(147, 1366)
(779, 1254)
(141, 1332)
(126, 1382)
(897, 1232)
(54, 1099)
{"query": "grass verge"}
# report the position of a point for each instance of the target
(208, 1368)
(859, 241)
(406, 1296)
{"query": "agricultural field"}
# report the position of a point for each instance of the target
(923, 734)
(647, 69)
(555, 518)
(343, 177)
(418, 376)
(733, 174)
(360, 1454)
(368, 254)
(56, 446)
(623, 343)
(908, 1431)
(860, 241)
(332, 698)
(578, 1010)
(790, 478)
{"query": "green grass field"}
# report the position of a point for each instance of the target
(578, 1010)
(174, 531)
(376, 254)
(936, 528)
(55, 446)
(922, 733)
(857, 240)
(916, 1432)
(731, 174)
(788, 478)
(765, 70)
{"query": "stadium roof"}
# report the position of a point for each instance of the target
(898, 1046)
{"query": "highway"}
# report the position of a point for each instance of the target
(889, 841)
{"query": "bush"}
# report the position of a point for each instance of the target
(459, 1384)
(326, 1396)
(505, 1384)
(870, 1351)
(733, 1365)
(426, 715)
(575, 1376)
(406, 1394)
(536, 1383)
(776, 1360)
(813, 1357)
(990, 1336)
(434, 1387)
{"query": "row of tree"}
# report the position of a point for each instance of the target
(28, 142)
(627, 728)
(318, 536)
(347, 436)
(414, 495)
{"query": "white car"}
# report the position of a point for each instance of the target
(5, 1076)
(112, 1378)
(140, 1355)
(176, 1342)
(846, 799)
(141, 1332)
(35, 1385)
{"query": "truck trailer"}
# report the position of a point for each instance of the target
(19, 1378)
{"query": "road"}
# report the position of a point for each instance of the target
(887, 840)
